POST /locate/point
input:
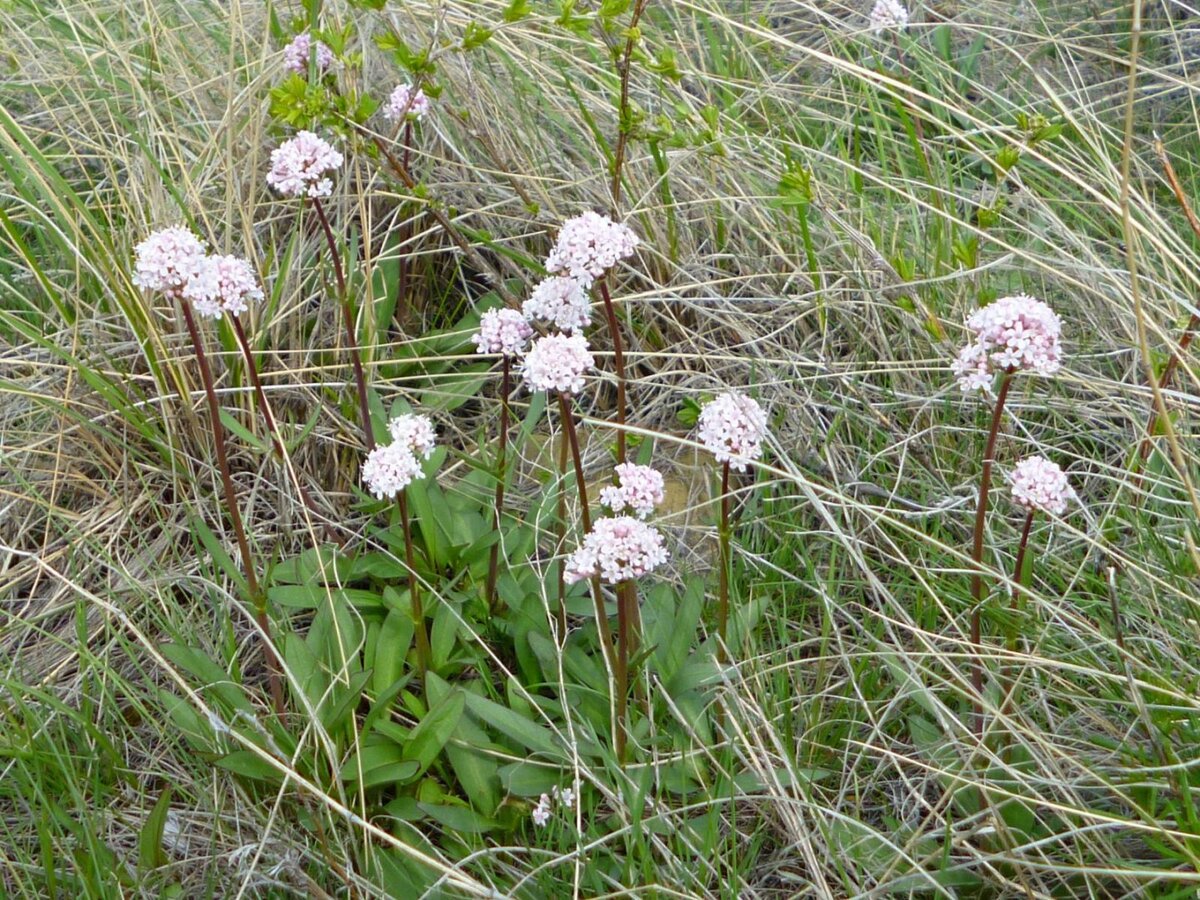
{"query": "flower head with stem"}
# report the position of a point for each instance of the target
(732, 427)
(389, 469)
(560, 300)
(1018, 333)
(301, 49)
(167, 260)
(1039, 484)
(541, 812)
(617, 549)
(589, 245)
(415, 433)
(502, 331)
(223, 284)
(557, 362)
(639, 488)
(406, 103)
(299, 166)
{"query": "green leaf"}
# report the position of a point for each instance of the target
(516, 10)
(528, 779)
(311, 596)
(513, 726)
(392, 645)
(457, 818)
(429, 737)
(217, 551)
(342, 699)
(212, 677)
(249, 764)
(150, 849)
(379, 762)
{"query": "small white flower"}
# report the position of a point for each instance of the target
(389, 469)
(566, 796)
(640, 488)
(557, 362)
(732, 427)
(296, 55)
(502, 331)
(888, 14)
(414, 432)
(403, 103)
(1038, 483)
(560, 300)
(617, 549)
(589, 245)
(298, 166)
(541, 812)
(167, 260)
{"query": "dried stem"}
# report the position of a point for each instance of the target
(977, 593)
(351, 338)
(257, 596)
(614, 329)
(501, 474)
(414, 593)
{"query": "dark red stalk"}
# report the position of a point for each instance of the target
(414, 593)
(348, 316)
(724, 534)
(614, 329)
(501, 473)
(977, 594)
(257, 597)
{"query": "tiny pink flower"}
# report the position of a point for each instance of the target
(566, 796)
(560, 300)
(404, 103)
(1018, 333)
(557, 362)
(389, 469)
(732, 427)
(639, 488)
(589, 245)
(223, 284)
(298, 166)
(502, 331)
(415, 433)
(1039, 484)
(296, 55)
(541, 812)
(617, 549)
(167, 260)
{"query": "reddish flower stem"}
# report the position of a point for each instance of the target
(501, 474)
(724, 535)
(348, 316)
(414, 592)
(614, 329)
(257, 596)
(977, 593)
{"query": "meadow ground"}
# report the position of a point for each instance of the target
(820, 207)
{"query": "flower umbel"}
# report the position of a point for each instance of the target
(732, 427)
(888, 14)
(639, 488)
(557, 362)
(1019, 333)
(298, 166)
(617, 549)
(223, 284)
(502, 331)
(167, 260)
(589, 245)
(389, 469)
(296, 55)
(560, 300)
(1039, 484)
(404, 103)
(415, 433)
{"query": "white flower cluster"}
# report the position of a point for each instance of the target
(560, 300)
(887, 15)
(617, 549)
(502, 331)
(639, 488)
(405, 103)
(732, 427)
(390, 468)
(173, 261)
(557, 362)
(1039, 484)
(1018, 333)
(298, 166)
(297, 54)
(589, 245)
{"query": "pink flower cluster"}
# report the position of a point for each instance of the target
(502, 331)
(557, 362)
(222, 284)
(1018, 333)
(638, 488)
(545, 805)
(390, 468)
(560, 300)
(732, 427)
(298, 166)
(1039, 484)
(404, 103)
(887, 15)
(167, 260)
(617, 549)
(297, 54)
(589, 245)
